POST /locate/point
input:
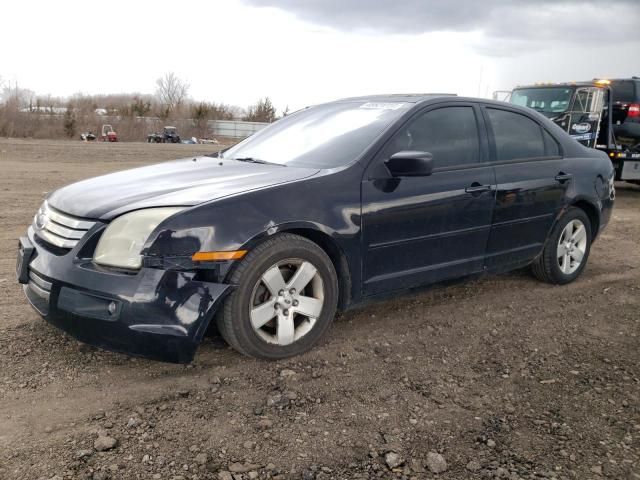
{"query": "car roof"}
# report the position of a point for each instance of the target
(632, 79)
(587, 83)
(397, 97)
(422, 98)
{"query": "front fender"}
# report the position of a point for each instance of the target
(329, 204)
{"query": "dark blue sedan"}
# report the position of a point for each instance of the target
(325, 209)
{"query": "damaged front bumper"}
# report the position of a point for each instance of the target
(153, 313)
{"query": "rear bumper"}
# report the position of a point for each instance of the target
(157, 314)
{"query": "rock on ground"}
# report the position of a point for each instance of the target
(436, 462)
(104, 443)
(393, 460)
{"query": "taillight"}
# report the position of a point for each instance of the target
(634, 110)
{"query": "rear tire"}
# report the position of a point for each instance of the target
(285, 301)
(567, 249)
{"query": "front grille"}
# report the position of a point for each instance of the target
(59, 229)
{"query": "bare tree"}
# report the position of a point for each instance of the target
(262, 111)
(200, 113)
(69, 123)
(21, 96)
(171, 91)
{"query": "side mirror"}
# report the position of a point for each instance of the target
(410, 163)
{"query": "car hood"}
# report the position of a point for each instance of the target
(178, 183)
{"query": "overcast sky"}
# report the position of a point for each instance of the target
(301, 52)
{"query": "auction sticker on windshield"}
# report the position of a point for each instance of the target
(383, 106)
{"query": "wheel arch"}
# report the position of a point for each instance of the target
(592, 212)
(337, 256)
(329, 245)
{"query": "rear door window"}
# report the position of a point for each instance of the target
(516, 136)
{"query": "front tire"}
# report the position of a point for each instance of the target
(567, 249)
(285, 301)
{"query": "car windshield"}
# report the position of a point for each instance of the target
(324, 136)
(546, 100)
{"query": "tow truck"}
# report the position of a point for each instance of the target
(586, 111)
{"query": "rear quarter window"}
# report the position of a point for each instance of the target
(552, 149)
(625, 91)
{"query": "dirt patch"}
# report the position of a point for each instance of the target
(504, 377)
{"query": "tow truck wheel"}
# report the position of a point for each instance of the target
(567, 249)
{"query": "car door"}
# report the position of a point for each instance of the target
(418, 230)
(532, 179)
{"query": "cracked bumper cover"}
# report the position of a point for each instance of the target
(157, 314)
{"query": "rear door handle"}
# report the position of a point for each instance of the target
(563, 177)
(475, 187)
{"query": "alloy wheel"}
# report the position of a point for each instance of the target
(286, 301)
(572, 246)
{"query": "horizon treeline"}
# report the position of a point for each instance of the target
(24, 113)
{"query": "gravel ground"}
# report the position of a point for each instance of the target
(501, 378)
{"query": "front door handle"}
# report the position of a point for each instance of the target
(476, 188)
(563, 177)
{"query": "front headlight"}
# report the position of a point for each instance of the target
(122, 241)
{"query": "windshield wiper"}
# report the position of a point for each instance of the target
(256, 160)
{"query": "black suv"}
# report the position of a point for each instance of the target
(626, 110)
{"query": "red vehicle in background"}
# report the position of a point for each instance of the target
(108, 134)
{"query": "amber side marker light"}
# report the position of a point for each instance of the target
(217, 256)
